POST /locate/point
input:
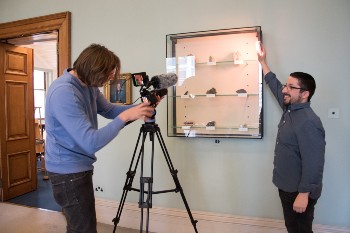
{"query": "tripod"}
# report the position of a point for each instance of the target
(152, 129)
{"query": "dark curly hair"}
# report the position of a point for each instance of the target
(306, 82)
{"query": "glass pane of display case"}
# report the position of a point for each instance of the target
(219, 89)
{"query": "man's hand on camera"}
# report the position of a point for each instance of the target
(145, 100)
(158, 100)
(137, 112)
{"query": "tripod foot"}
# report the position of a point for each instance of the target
(115, 221)
(194, 224)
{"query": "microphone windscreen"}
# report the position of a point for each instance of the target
(165, 80)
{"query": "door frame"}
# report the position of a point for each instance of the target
(60, 22)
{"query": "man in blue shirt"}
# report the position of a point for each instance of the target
(299, 150)
(73, 137)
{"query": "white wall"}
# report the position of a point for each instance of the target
(232, 177)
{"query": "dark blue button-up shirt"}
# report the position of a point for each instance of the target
(300, 146)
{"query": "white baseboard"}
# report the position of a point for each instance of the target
(168, 220)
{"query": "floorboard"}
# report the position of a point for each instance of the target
(23, 219)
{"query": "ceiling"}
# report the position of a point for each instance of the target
(45, 49)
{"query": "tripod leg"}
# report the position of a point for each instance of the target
(150, 128)
(149, 181)
(128, 182)
(147, 220)
(175, 178)
(141, 221)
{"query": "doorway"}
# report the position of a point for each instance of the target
(45, 71)
(60, 22)
(41, 31)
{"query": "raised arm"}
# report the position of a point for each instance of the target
(262, 59)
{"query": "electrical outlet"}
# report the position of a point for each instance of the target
(98, 189)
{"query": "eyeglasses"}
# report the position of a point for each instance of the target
(292, 88)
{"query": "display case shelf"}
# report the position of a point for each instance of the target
(224, 62)
(219, 88)
(202, 131)
(205, 95)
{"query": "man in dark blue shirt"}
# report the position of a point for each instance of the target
(299, 150)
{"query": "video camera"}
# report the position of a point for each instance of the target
(141, 79)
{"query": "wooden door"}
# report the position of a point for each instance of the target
(17, 140)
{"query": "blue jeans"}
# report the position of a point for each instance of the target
(75, 194)
(297, 222)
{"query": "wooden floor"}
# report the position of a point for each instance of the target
(22, 219)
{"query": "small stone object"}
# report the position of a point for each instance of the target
(211, 123)
(241, 91)
(211, 91)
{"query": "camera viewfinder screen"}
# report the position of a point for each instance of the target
(140, 79)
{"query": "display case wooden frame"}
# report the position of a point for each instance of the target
(219, 90)
(119, 91)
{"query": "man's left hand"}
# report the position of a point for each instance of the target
(301, 202)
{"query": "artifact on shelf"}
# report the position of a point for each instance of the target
(239, 91)
(242, 93)
(237, 58)
(211, 91)
(186, 95)
(243, 127)
(210, 123)
(188, 123)
(211, 61)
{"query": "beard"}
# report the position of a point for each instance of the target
(289, 100)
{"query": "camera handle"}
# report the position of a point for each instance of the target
(151, 129)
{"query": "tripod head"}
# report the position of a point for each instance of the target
(152, 120)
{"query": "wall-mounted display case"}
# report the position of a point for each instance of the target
(219, 89)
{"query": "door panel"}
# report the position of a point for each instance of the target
(16, 111)
(17, 150)
(15, 63)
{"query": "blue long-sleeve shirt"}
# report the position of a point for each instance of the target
(72, 134)
(300, 146)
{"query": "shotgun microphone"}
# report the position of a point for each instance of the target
(163, 81)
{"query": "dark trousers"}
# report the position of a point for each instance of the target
(75, 194)
(297, 222)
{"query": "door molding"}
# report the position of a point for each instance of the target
(59, 21)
